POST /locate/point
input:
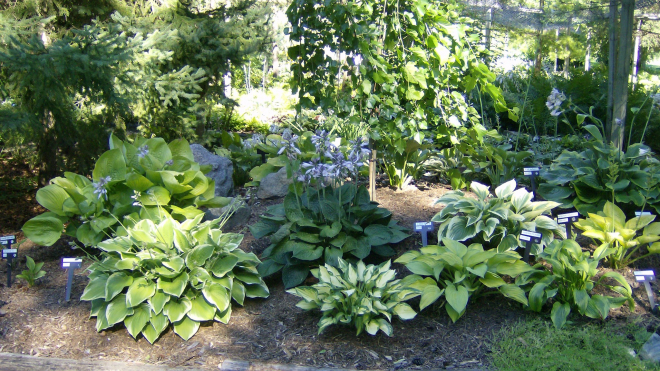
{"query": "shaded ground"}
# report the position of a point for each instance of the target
(37, 321)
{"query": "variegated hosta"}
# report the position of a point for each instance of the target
(180, 273)
(462, 272)
(612, 230)
(571, 281)
(496, 221)
(363, 296)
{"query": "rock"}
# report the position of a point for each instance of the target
(221, 172)
(274, 185)
(240, 216)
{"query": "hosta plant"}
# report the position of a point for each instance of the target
(320, 226)
(625, 237)
(170, 273)
(146, 172)
(586, 180)
(461, 273)
(497, 163)
(33, 271)
(364, 296)
(571, 281)
(495, 221)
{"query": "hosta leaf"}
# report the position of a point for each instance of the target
(186, 328)
(176, 309)
(201, 310)
(429, 295)
(294, 275)
(158, 300)
(115, 284)
(514, 292)
(224, 265)
(44, 229)
(95, 289)
(150, 334)
(139, 291)
(136, 323)
(259, 290)
(159, 322)
(198, 256)
(404, 311)
(457, 297)
(117, 310)
(217, 295)
(238, 292)
(173, 287)
(559, 314)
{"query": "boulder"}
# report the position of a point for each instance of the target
(221, 172)
(240, 217)
(274, 185)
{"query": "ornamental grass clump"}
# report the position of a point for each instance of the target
(364, 296)
(156, 274)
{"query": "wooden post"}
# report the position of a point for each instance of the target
(636, 53)
(622, 73)
(372, 173)
(567, 49)
(614, 14)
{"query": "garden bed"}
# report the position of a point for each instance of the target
(37, 320)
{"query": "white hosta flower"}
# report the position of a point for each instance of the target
(554, 102)
(99, 187)
(143, 151)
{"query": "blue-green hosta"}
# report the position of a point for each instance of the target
(610, 228)
(571, 281)
(365, 296)
(460, 273)
(147, 172)
(179, 273)
(496, 221)
(323, 226)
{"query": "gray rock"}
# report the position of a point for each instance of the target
(221, 172)
(274, 185)
(240, 217)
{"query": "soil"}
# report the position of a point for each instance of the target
(38, 321)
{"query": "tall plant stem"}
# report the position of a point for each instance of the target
(522, 112)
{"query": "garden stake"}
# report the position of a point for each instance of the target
(647, 277)
(423, 228)
(641, 213)
(532, 173)
(372, 171)
(530, 238)
(567, 219)
(263, 155)
(9, 254)
(70, 264)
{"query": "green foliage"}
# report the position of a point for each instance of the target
(497, 163)
(366, 297)
(321, 226)
(402, 160)
(571, 281)
(461, 273)
(620, 238)
(155, 274)
(496, 221)
(588, 179)
(33, 271)
(150, 172)
(242, 154)
(537, 345)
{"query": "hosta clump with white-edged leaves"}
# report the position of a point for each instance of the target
(145, 177)
(321, 220)
(461, 273)
(185, 273)
(364, 296)
(496, 221)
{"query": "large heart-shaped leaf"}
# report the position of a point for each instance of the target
(176, 309)
(139, 291)
(217, 295)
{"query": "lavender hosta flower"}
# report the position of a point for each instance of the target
(169, 162)
(554, 102)
(143, 151)
(257, 138)
(656, 99)
(289, 147)
(99, 187)
(287, 134)
(274, 129)
(248, 144)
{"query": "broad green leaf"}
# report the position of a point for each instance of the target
(199, 255)
(115, 284)
(429, 295)
(201, 310)
(158, 300)
(217, 295)
(139, 291)
(112, 164)
(176, 309)
(457, 297)
(404, 311)
(117, 310)
(44, 229)
(52, 197)
(136, 323)
(514, 292)
(186, 328)
(95, 289)
(173, 287)
(559, 314)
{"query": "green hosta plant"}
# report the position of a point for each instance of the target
(571, 281)
(610, 228)
(496, 162)
(366, 297)
(179, 273)
(147, 172)
(586, 180)
(321, 226)
(460, 273)
(33, 271)
(402, 159)
(495, 221)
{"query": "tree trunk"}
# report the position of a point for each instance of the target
(587, 57)
(47, 150)
(567, 49)
(636, 53)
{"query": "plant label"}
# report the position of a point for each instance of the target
(10, 255)
(262, 154)
(532, 173)
(7, 241)
(70, 264)
(647, 277)
(424, 228)
(529, 237)
(641, 213)
(567, 219)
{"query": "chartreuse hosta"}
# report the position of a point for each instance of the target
(461, 272)
(611, 229)
(496, 221)
(364, 296)
(146, 172)
(170, 272)
(571, 281)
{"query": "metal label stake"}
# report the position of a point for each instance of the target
(9, 254)
(262, 154)
(567, 219)
(647, 277)
(532, 173)
(424, 228)
(530, 238)
(642, 213)
(70, 264)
